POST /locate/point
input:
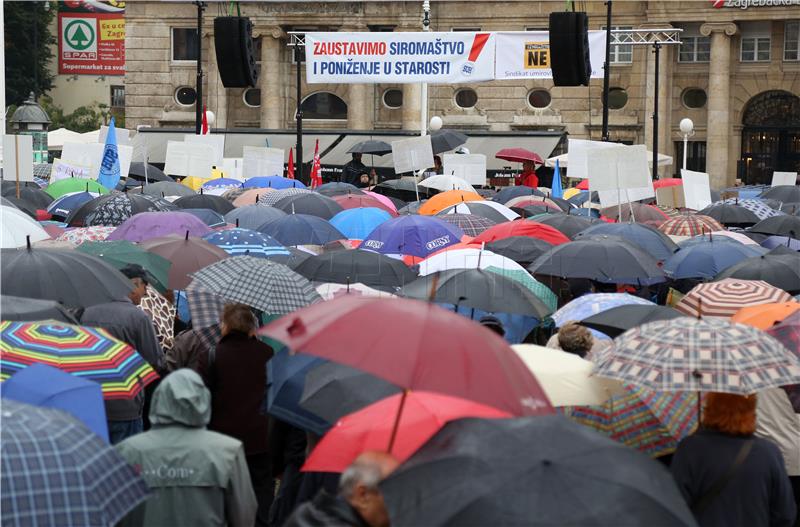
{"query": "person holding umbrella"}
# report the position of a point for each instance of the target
(351, 172)
(528, 177)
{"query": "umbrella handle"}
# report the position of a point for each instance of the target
(397, 420)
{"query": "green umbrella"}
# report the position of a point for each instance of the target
(537, 288)
(121, 253)
(73, 184)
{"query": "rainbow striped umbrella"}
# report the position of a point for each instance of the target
(89, 353)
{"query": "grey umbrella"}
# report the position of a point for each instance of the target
(148, 172)
(30, 309)
(309, 203)
(446, 140)
(253, 216)
(785, 193)
(377, 148)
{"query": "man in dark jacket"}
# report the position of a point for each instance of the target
(359, 502)
(351, 172)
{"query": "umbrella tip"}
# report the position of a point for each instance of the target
(28, 241)
(237, 223)
(187, 236)
(296, 328)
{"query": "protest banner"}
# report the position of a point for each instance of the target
(578, 167)
(91, 38)
(411, 155)
(63, 170)
(215, 142)
(526, 54)
(262, 161)
(469, 167)
(784, 178)
(188, 159)
(18, 157)
(696, 189)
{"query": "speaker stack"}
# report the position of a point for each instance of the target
(569, 49)
(233, 43)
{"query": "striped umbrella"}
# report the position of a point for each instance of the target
(471, 224)
(86, 352)
(690, 225)
(725, 297)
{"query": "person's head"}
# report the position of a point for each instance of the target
(730, 413)
(138, 277)
(528, 166)
(359, 486)
(437, 161)
(574, 338)
(494, 324)
(240, 318)
(364, 179)
(356, 156)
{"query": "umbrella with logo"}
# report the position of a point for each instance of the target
(245, 242)
(725, 297)
(366, 267)
(779, 270)
(690, 225)
(63, 206)
(300, 229)
(617, 320)
(412, 235)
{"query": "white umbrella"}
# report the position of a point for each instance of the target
(444, 182)
(16, 226)
(466, 259)
(464, 208)
(330, 291)
(563, 159)
(565, 377)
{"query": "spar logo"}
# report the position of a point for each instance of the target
(438, 242)
(79, 38)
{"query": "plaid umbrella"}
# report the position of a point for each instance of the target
(690, 225)
(471, 224)
(788, 333)
(55, 471)
(686, 354)
(271, 198)
(257, 282)
(204, 306)
(757, 206)
(89, 353)
(113, 209)
(725, 297)
(77, 236)
(671, 212)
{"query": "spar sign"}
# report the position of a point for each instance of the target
(90, 42)
(435, 57)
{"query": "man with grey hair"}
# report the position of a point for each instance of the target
(359, 502)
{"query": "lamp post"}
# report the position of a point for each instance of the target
(687, 129)
(31, 119)
(436, 123)
(426, 23)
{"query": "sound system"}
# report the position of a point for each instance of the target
(233, 43)
(569, 49)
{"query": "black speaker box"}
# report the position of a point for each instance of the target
(569, 49)
(233, 43)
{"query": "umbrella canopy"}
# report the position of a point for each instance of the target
(69, 277)
(113, 209)
(731, 215)
(391, 202)
(146, 225)
(376, 148)
(186, 254)
(443, 182)
(521, 249)
(19, 308)
(617, 320)
(19, 204)
(330, 291)
(17, 229)
(519, 155)
(80, 235)
(547, 204)
(765, 316)
(259, 283)
(443, 200)
(310, 203)
(245, 242)
(725, 297)
(208, 217)
(249, 196)
(29, 193)
(585, 306)
(63, 206)
(412, 208)
(147, 172)
(559, 473)
(707, 260)
(167, 188)
(271, 198)
(446, 140)
(72, 184)
(354, 201)
(372, 428)
(760, 207)
(715, 356)
(286, 377)
(785, 241)
(693, 225)
(506, 194)
(490, 210)
(784, 193)
(366, 267)
(89, 353)
(606, 261)
(537, 288)
(204, 201)
(650, 240)
(778, 270)
(121, 253)
(641, 212)
(82, 480)
(276, 182)
(569, 225)
(404, 188)
(356, 224)
(221, 182)
(252, 216)
(466, 258)
(300, 229)
(412, 235)
(528, 228)
(471, 224)
(432, 349)
(779, 225)
(337, 188)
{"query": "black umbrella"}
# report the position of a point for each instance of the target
(603, 260)
(529, 211)
(403, 188)
(477, 289)
(137, 171)
(253, 216)
(784, 193)
(160, 189)
(29, 192)
(582, 197)
(781, 269)
(338, 188)
(446, 140)
(478, 208)
(521, 249)
(412, 207)
(530, 471)
(295, 257)
(778, 226)
(309, 203)
(19, 204)
(205, 201)
(31, 309)
(567, 224)
(72, 278)
(10, 183)
(617, 320)
(728, 214)
(113, 209)
(376, 148)
(506, 194)
(398, 203)
(352, 266)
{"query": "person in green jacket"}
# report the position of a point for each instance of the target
(197, 477)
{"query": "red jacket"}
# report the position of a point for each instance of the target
(528, 179)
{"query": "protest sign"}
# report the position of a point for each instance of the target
(526, 54)
(410, 155)
(91, 155)
(18, 157)
(262, 161)
(578, 159)
(618, 167)
(215, 142)
(63, 170)
(232, 166)
(696, 189)
(188, 159)
(469, 167)
(784, 178)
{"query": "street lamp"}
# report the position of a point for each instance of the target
(31, 119)
(435, 124)
(687, 129)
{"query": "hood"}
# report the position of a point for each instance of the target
(181, 399)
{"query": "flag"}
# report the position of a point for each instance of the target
(204, 129)
(316, 169)
(109, 166)
(556, 189)
(290, 167)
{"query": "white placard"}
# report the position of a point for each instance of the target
(216, 142)
(784, 178)
(603, 168)
(232, 166)
(62, 170)
(188, 159)
(609, 198)
(91, 155)
(123, 135)
(262, 161)
(578, 156)
(696, 189)
(526, 54)
(410, 155)
(632, 168)
(469, 167)
(18, 157)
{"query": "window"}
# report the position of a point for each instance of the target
(695, 49)
(621, 54)
(755, 42)
(252, 97)
(466, 98)
(185, 96)
(539, 98)
(467, 29)
(118, 96)
(379, 28)
(393, 98)
(184, 44)
(617, 98)
(791, 41)
(695, 156)
(694, 98)
(324, 105)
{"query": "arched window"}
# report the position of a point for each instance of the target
(324, 105)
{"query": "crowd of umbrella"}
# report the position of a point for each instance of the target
(370, 293)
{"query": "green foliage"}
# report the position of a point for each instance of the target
(83, 119)
(28, 49)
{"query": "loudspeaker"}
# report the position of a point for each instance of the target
(233, 42)
(569, 49)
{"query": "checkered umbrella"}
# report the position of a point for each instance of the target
(271, 198)
(690, 225)
(471, 224)
(725, 297)
(257, 282)
(788, 333)
(757, 206)
(55, 471)
(205, 307)
(686, 354)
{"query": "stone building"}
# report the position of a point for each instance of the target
(736, 75)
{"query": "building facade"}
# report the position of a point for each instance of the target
(736, 74)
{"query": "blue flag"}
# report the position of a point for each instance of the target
(556, 188)
(109, 167)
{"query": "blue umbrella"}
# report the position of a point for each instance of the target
(707, 260)
(286, 377)
(356, 224)
(556, 188)
(652, 241)
(278, 182)
(222, 182)
(589, 213)
(508, 193)
(703, 238)
(241, 242)
(210, 217)
(43, 385)
(253, 216)
(412, 235)
(592, 304)
(301, 229)
(785, 241)
(61, 207)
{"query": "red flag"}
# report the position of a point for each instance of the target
(316, 170)
(204, 129)
(290, 167)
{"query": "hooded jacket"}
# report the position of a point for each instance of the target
(197, 477)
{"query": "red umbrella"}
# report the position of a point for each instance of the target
(417, 346)
(187, 255)
(668, 182)
(583, 185)
(355, 201)
(423, 414)
(519, 155)
(532, 229)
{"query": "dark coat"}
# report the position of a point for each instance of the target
(237, 379)
(759, 494)
(325, 510)
(351, 172)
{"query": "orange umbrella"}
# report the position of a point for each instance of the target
(251, 196)
(447, 199)
(765, 316)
